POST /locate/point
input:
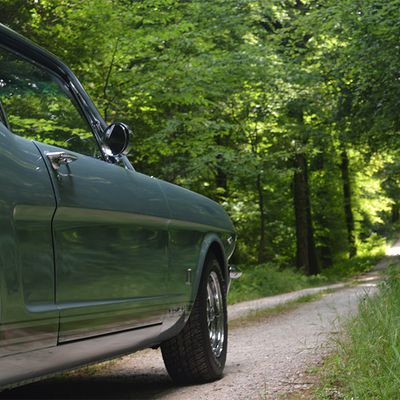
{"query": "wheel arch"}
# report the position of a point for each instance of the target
(211, 243)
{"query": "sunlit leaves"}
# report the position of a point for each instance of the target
(228, 92)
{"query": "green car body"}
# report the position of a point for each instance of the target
(96, 259)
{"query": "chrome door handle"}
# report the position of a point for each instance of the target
(60, 157)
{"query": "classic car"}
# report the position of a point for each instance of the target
(96, 259)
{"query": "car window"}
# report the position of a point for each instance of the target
(37, 105)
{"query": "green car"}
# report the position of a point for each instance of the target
(96, 259)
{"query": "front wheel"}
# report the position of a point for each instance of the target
(198, 353)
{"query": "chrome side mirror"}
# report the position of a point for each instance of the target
(116, 139)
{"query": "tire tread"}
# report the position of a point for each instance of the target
(187, 355)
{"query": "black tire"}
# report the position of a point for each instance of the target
(193, 356)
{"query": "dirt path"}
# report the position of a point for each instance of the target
(265, 360)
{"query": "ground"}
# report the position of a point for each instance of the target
(269, 356)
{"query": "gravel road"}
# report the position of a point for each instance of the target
(266, 359)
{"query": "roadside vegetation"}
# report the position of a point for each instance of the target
(366, 363)
(271, 279)
(262, 315)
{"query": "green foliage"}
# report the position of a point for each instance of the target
(367, 365)
(222, 96)
(260, 316)
(269, 279)
(369, 253)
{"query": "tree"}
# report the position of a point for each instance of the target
(269, 107)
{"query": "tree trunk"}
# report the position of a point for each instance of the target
(221, 181)
(262, 253)
(221, 177)
(348, 212)
(395, 213)
(305, 253)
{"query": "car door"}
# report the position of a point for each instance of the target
(111, 247)
(28, 315)
(110, 225)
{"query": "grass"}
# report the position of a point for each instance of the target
(367, 361)
(269, 279)
(261, 315)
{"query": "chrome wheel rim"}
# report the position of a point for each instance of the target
(215, 314)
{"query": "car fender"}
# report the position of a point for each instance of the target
(209, 241)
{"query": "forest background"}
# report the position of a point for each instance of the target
(286, 112)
